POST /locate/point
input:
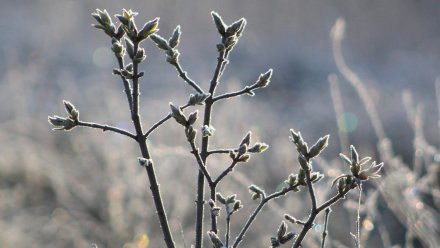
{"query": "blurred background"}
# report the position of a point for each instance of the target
(83, 188)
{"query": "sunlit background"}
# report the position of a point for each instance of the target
(84, 188)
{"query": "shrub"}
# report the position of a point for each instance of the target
(126, 40)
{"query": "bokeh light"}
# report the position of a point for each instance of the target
(347, 122)
(103, 57)
(367, 224)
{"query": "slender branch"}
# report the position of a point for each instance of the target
(225, 172)
(200, 162)
(154, 185)
(358, 219)
(106, 128)
(311, 189)
(246, 90)
(220, 151)
(127, 86)
(332, 200)
(184, 76)
(163, 120)
(265, 199)
(221, 60)
(313, 214)
(325, 232)
(228, 224)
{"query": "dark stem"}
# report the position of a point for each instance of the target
(313, 214)
(358, 220)
(220, 151)
(225, 172)
(325, 232)
(265, 199)
(184, 76)
(106, 128)
(202, 166)
(154, 186)
(246, 90)
(221, 60)
(127, 87)
(228, 224)
(163, 120)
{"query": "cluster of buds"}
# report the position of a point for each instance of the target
(347, 182)
(304, 152)
(356, 165)
(230, 34)
(198, 98)
(283, 236)
(228, 201)
(295, 180)
(256, 192)
(179, 116)
(134, 36)
(242, 153)
(264, 80)
(129, 26)
(105, 23)
(215, 211)
(170, 45)
(65, 123)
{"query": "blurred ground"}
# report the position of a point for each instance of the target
(82, 187)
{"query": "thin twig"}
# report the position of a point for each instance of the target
(313, 214)
(106, 128)
(200, 162)
(228, 224)
(163, 120)
(225, 172)
(154, 185)
(220, 151)
(127, 86)
(264, 200)
(358, 220)
(246, 90)
(325, 231)
(221, 60)
(184, 76)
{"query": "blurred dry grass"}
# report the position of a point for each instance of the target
(84, 187)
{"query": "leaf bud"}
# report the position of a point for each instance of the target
(175, 38)
(231, 199)
(303, 162)
(242, 149)
(215, 240)
(144, 162)
(160, 42)
(192, 117)
(319, 146)
(220, 198)
(233, 29)
(191, 134)
(247, 139)
(237, 205)
(148, 29)
(207, 130)
(258, 148)
(198, 98)
(130, 48)
(221, 26)
(178, 115)
(244, 158)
